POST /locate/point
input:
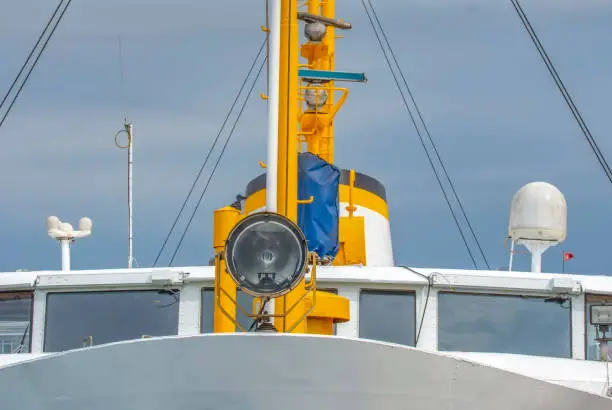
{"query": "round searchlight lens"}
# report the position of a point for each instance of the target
(266, 254)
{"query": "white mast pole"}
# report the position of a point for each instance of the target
(536, 260)
(274, 27)
(65, 244)
(273, 104)
(128, 129)
(65, 234)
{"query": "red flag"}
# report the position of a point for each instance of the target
(567, 256)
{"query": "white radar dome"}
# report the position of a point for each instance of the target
(538, 212)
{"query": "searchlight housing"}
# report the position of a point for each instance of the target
(266, 254)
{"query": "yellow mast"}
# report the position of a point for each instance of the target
(317, 125)
(328, 10)
(288, 145)
(287, 114)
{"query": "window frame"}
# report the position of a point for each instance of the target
(381, 290)
(31, 293)
(588, 300)
(516, 295)
(44, 294)
(202, 310)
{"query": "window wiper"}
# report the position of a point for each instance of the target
(21, 345)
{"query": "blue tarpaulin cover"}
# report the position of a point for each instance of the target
(319, 219)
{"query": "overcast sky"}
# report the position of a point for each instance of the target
(494, 112)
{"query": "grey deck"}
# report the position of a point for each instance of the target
(262, 371)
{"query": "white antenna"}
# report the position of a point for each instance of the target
(65, 234)
(538, 220)
(128, 129)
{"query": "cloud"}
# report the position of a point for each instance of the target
(136, 17)
(526, 4)
(495, 116)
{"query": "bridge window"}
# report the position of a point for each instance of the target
(208, 314)
(208, 310)
(15, 322)
(387, 316)
(78, 319)
(504, 324)
(592, 346)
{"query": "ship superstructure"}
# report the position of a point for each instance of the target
(302, 305)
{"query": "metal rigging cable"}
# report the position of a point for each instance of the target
(25, 63)
(44, 46)
(419, 134)
(263, 63)
(199, 174)
(426, 128)
(564, 92)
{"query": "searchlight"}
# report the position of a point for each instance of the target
(266, 254)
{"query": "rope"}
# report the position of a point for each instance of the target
(218, 161)
(199, 174)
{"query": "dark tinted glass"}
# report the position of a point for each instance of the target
(15, 322)
(265, 256)
(208, 313)
(387, 316)
(208, 305)
(504, 324)
(82, 318)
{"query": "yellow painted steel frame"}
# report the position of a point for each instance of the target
(315, 124)
(224, 221)
(352, 242)
(287, 116)
(294, 307)
(230, 315)
(287, 187)
(318, 132)
(351, 232)
(321, 56)
(351, 206)
(329, 309)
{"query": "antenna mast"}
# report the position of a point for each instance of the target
(538, 220)
(128, 129)
(65, 234)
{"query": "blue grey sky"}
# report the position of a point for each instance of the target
(494, 112)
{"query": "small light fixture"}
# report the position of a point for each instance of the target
(601, 315)
(315, 96)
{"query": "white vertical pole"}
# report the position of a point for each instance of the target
(511, 256)
(65, 244)
(536, 260)
(274, 27)
(537, 248)
(129, 129)
(273, 104)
